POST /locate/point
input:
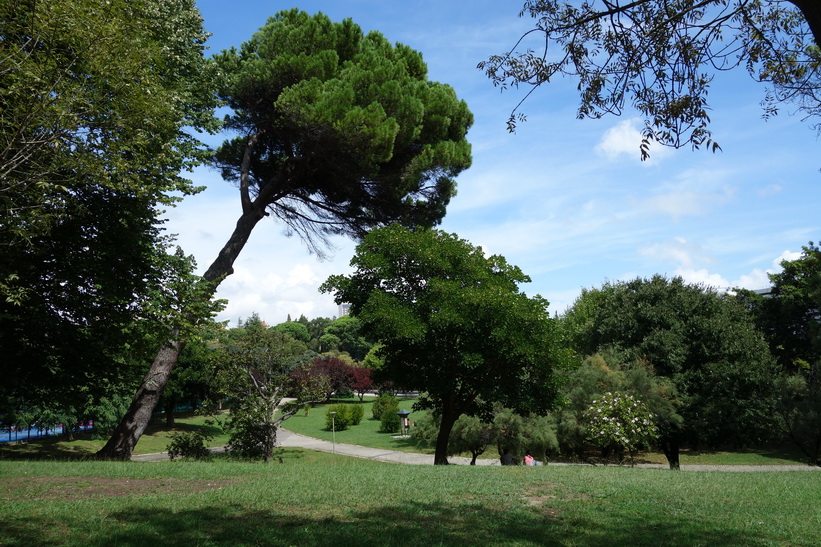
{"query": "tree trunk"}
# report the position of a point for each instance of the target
(449, 416)
(670, 446)
(125, 436)
(170, 405)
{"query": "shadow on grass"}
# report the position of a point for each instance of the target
(422, 524)
(51, 448)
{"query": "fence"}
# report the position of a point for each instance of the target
(13, 434)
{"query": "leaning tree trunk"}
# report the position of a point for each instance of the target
(125, 436)
(133, 424)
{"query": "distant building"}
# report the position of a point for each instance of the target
(344, 309)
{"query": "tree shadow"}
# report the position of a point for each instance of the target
(419, 524)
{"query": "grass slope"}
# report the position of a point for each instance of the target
(322, 499)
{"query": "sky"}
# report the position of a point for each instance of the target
(566, 200)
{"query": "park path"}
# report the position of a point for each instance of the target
(287, 438)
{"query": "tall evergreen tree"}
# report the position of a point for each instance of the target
(339, 132)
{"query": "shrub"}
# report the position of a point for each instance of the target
(253, 436)
(189, 445)
(620, 421)
(391, 422)
(357, 413)
(384, 403)
(338, 417)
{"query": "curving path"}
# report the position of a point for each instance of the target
(286, 438)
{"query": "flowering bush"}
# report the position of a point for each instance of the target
(620, 421)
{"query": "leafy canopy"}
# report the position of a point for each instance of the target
(453, 323)
(660, 58)
(705, 342)
(339, 131)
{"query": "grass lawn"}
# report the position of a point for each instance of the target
(365, 434)
(155, 439)
(323, 499)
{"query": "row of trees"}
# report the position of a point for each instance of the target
(338, 132)
(456, 327)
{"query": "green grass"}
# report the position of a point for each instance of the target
(365, 434)
(322, 499)
(155, 439)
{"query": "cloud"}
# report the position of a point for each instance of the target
(679, 251)
(755, 279)
(624, 139)
(693, 192)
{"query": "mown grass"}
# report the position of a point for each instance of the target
(323, 499)
(155, 439)
(367, 433)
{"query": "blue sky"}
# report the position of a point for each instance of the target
(567, 200)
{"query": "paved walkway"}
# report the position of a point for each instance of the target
(286, 438)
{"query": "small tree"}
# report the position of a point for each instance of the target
(453, 324)
(362, 381)
(255, 366)
(619, 421)
(384, 404)
(470, 434)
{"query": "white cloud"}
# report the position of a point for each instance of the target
(679, 251)
(703, 277)
(624, 139)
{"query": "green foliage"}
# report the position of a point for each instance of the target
(253, 432)
(717, 368)
(620, 421)
(391, 422)
(426, 429)
(470, 434)
(343, 129)
(384, 404)
(357, 413)
(789, 315)
(295, 330)
(453, 323)
(340, 416)
(73, 121)
(798, 412)
(661, 57)
(191, 445)
(346, 331)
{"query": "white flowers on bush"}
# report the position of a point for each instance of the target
(620, 419)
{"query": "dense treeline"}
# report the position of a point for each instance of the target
(340, 133)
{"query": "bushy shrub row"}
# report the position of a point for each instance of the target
(384, 404)
(341, 416)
